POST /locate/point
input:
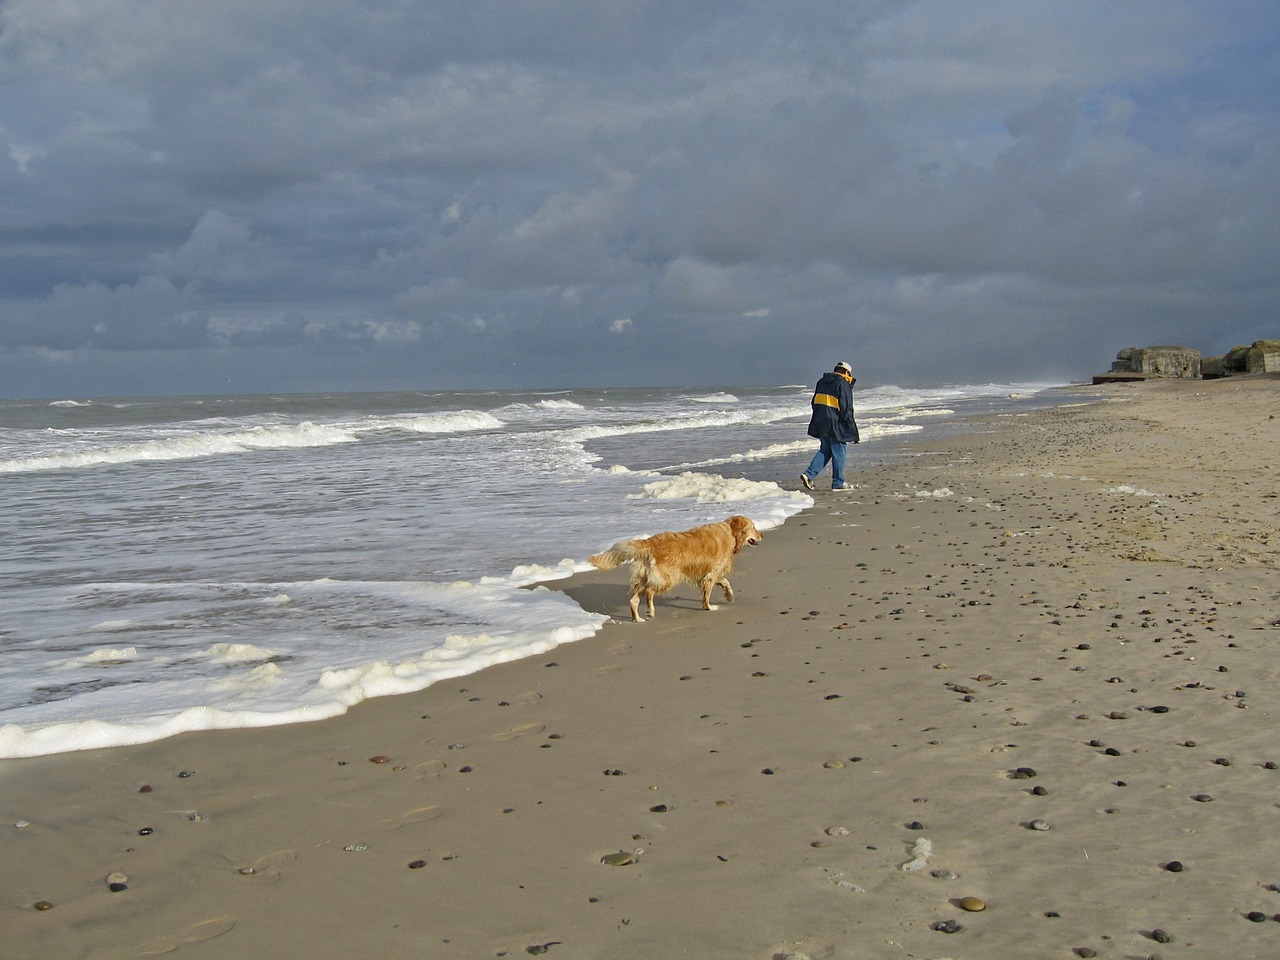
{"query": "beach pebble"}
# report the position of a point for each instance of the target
(355, 847)
(417, 864)
(1257, 916)
(145, 788)
(1086, 952)
(117, 877)
(915, 825)
(1040, 791)
(1269, 765)
(948, 926)
(944, 874)
(837, 831)
(21, 824)
(1222, 761)
(1160, 936)
(1202, 798)
(621, 859)
(972, 904)
(834, 765)
(1174, 866)
(380, 758)
(117, 887)
(183, 774)
(42, 905)
(1038, 825)
(246, 871)
(146, 832)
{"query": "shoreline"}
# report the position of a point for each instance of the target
(1002, 599)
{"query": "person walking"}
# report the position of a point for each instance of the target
(832, 424)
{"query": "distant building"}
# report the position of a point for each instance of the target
(1263, 356)
(1145, 363)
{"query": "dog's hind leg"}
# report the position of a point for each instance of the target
(635, 605)
(649, 595)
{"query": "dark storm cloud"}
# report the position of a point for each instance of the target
(403, 193)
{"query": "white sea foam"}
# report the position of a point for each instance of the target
(1130, 490)
(939, 494)
(707, 488)
(238, 652)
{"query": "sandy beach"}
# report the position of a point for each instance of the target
(1035, 665)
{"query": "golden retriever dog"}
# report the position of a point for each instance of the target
(703, 555)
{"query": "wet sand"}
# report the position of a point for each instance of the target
(1067, 620)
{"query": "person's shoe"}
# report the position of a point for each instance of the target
(841, 489)
(808, 484)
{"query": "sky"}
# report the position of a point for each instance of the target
(232, 196)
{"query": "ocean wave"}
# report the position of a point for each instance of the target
(188, 447)
(714, 398)
(559, 405)
(451, 421)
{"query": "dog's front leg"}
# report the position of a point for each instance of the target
(728, 591)
(707, 586)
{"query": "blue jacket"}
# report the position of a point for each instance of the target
(833, 409)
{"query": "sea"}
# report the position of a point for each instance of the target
(191, 563)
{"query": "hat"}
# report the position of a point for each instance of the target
(844, 367)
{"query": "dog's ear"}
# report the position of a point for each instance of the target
(738, 526)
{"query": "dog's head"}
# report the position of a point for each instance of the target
(744, 532)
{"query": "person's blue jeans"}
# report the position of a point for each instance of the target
(833, 452)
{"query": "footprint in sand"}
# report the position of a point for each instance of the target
(528, 699)
(429, 770)
(607, 668)
(419, 815)
(267, 869)
(521, 731)
(196, 933)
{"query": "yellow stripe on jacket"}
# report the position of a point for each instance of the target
(826, 400)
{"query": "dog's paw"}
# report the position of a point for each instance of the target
(712, 606)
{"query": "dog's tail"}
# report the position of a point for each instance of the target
(624, 551)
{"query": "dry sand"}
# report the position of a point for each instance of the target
(1089, 592)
